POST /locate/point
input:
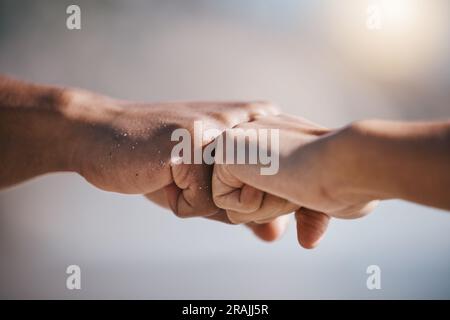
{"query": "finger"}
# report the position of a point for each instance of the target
(245, 203)
(269, 231)
(231, 194)
(311, 226)
(220, 216)
(241, 112)
(299, 121)
(272, 230)
(274, 207)
(190, 194)
(159, 197)
(271, 208)
(355, 211)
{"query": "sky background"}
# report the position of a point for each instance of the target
(315, 59)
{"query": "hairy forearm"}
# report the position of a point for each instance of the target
(410, 161)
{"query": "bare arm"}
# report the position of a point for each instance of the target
(339, 173)
(35, 137)
(410, 161)
(118, 146)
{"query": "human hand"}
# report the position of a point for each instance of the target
(116, 145)
(312, 180)
(126, 147)
(268, 231)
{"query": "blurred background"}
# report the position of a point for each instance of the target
(324, 60)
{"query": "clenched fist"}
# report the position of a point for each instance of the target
(310, 179)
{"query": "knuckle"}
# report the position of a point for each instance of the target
(182, 214)
(235, 217)
(248, 206)
(262, 108)
(219, 201)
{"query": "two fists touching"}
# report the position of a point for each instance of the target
(126, 147)
(116, 145)
(311, 180)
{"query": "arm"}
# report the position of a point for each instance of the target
(340, 173)
(374, 159)
(410, 161)
(48, 129)
(116, 145)
(35, 137)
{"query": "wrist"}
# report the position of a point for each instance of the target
(89, 123)
(33, 131)
(367, 158)
(406, 160)
(53, 132)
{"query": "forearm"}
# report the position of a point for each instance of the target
(33, 132)
(410, 161)
(47, 129)
(116, 145)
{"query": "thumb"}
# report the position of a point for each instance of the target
(311, 226)
(270, 231)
